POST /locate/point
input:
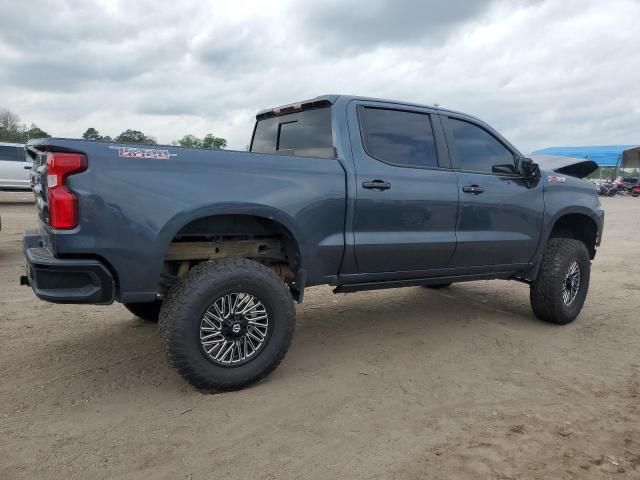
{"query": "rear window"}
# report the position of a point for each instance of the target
(304, 134)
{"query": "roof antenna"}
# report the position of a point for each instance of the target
(436, 104)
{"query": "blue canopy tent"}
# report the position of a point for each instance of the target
(619, 156)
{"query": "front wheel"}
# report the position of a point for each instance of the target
(560, 289)
(227, 324)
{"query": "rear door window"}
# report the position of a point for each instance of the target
(11, 154)
(305, 134)
(399, 137)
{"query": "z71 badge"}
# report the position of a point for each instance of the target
(556, 179)
(139, 152)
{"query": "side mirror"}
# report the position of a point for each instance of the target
(530, 169)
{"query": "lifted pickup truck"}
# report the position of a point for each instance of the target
(352, 192)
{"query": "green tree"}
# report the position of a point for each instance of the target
(36, 132)
(135, 136)
(189, 141)
(212, 142)
(91, 134)
(11, 130)
(209, 142)
(12, 136)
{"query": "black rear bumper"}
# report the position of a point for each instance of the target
(62, 280)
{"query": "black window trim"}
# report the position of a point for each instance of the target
(280, 122)
(279, 134)
(453, 151)
(363, 133)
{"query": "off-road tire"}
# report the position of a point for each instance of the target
(147, 311)
(184, 308)
(438, 286)
(546, 290)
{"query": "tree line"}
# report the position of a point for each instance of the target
(12, 130)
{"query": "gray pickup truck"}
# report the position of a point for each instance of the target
(353, 192)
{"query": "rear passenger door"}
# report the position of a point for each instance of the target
(500, 217)
(14, 169)
(406, 196)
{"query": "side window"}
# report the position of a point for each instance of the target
(11, 154)
(479, 151)
(399, 137)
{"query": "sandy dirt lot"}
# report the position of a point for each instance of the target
(409, 383)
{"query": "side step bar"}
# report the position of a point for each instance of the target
(357, 287)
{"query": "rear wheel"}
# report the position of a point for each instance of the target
(147, 311)
(558, 293)
(227, 324)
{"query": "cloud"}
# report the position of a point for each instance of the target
(341, 26)
(541, 72)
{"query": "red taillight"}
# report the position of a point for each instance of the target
(63, 203)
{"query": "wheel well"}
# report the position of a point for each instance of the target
(579, 227)
(225, 236)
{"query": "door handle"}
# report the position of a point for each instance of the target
(27, 167)
(473, 189)
(376, 185)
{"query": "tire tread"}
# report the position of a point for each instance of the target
(191, 286)
(545, 297)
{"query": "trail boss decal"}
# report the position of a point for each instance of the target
(556, 179)
(138, 152)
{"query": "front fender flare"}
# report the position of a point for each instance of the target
(548, 228)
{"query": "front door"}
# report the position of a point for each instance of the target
(406, 197)
(501, 213)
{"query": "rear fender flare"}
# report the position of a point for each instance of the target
(180, 220)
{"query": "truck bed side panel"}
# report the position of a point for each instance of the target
(131, 208)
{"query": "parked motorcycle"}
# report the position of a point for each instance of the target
(608, 189)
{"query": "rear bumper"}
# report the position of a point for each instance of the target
(61, 280)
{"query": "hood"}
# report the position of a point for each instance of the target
(574, 167)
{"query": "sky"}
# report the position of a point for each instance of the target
(542, 72)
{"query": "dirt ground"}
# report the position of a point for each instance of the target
(409, 383)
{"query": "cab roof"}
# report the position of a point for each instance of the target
(330, 99)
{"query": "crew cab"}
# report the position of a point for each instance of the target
(353, 192)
